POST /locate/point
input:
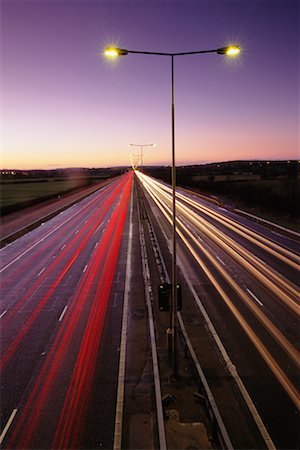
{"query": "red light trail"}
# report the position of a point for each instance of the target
(77, 341)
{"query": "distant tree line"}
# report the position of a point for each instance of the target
(268, 186)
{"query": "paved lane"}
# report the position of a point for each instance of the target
(56, 282)
(248, 280)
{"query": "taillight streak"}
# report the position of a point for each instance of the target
(75, 403)
(35, 313)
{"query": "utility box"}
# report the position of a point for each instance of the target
(164, 296)
(179, 297)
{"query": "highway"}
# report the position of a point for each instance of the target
(247, 278)
(55, 283)
(67, 286)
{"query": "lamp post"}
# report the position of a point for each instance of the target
(141, 148)
(231, 51)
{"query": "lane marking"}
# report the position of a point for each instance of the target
(229, 364)
(255, 298)
(98, 228)
(121, 376)
(40, 273)
(63, 246)
(46, 236)
(86, 266)
(9, 422)
(96, 245)
(155, 365)
(221, 260)
(63, 313)
(4, 312)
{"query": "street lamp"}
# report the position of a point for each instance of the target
(231, 51)
(141, 149)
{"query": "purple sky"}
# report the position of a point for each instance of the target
(64, 105)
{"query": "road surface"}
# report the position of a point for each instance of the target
(56, 282)
(247, 280)
(60, 356)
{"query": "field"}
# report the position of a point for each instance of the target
(17, 194)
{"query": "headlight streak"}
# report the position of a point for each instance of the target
(278, 372)
(267, 276)
(282, 341)
(271, 247)
(248, 261)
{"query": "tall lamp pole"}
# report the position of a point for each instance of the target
(112, 52)
(141, 149)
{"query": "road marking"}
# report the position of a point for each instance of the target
(98, 228)
(221, 261)
(4, 312)
(44, 237)
(255, 298)
(121, 376)
(96, 245)
(85, 268)
(63, 246)
(229, 364)
(63, 313)
(77, 232)
(155, 366)
(40, 273)
(9, 422)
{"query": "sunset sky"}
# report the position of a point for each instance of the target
(64, 105)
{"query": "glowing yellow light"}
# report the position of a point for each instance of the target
(111, 52)
(232, 50)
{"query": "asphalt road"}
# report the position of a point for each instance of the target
(55, 283)
(60, 357)
(247, 278)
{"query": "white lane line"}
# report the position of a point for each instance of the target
(9, 422)
(63, 313)
(2, 314)
(63, 246)
(77, 231)
(221, 260)
(155, 365)
(40, 273)
(122, 363)
(96, 245)
(85, 268)
(255, 298)
(46, 236)
(229, 364)
(98, 228)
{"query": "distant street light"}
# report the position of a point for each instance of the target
(232, 51)
(141, 149)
